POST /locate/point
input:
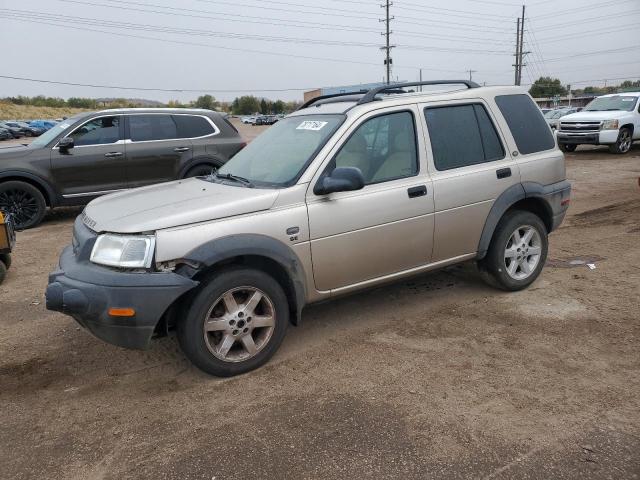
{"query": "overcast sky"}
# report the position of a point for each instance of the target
(303, 45)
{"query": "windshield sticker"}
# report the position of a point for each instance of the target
(628, 99)
(63, 125)
(311, 125)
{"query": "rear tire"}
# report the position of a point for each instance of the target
(518, 251)
(3, 272)
(6, 259)
(24, 201)
(235, 322)
(623, 144)
(568, 147)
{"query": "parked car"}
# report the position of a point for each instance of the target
(102, 152)
(612, 120)
(5, 134)
(26, 129)
(266, 120)
(248, 120)
(552, 117)
(43, 124)
(14, 131)
(346, 193)
(545, 110)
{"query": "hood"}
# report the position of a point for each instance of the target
(173, 204)
(593, 116)
(15, 151)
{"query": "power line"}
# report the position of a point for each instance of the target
(387, 34)
(594, 6)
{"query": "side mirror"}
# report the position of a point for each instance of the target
(65, 144)
(341, 179)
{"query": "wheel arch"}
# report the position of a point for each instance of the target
(528, 196)
(42, 185)
(214, 161)
(254, 251)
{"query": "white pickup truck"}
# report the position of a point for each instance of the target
(612, 120)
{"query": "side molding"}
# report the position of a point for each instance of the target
(254, 245)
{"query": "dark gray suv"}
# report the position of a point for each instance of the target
(95, 153)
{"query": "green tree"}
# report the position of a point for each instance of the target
(246, 105)
(547, 87)
(206, 101)
(278, 106)
(264, 107)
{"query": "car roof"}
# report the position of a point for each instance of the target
(156, 110)
(629, 94)
(350, 102)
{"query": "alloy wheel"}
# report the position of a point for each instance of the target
(624, 141)
(239, 324)
(20, 204)
(522, 252)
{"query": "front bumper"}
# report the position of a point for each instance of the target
(86, 291)
(603, 137)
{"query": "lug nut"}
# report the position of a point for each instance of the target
(232, 322)
(235, 332)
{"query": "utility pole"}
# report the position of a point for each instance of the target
(471, 72)
(521, 62)
(387, 48)
(517, 54)
(420, 87)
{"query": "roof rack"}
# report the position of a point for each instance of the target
(308, 103)
(370, 95)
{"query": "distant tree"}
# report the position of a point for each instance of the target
(264, 107)
(206, 101)
(76, 102)
(547, 87)
(246, 105)
(630, 84)
(175, 104)
(278, 106)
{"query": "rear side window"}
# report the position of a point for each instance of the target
(528, 127)
(462, 135)
(143, 128)
(190, 126)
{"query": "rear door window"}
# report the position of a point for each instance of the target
(462, 135)
(527, 125)
(143, 128)
(191, 126)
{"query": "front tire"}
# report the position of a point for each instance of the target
(518, 251)
(623, 144)
(568, 147)
(200, 171)
(235, 323)
(24, 202)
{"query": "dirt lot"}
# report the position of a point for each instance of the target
(437, 377)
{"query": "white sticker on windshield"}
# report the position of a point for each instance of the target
(311, 125)
(63, 125)
(628, 99)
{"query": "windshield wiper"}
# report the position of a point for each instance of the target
(230, 176)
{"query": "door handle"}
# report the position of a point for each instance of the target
(181, 149)
(503, 173)
(419, 191)
(113, 154)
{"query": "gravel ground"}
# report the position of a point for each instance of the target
(439, 376)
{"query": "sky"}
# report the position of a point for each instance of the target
(278, 49)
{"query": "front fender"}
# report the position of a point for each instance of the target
(260, 246)
(50, 193)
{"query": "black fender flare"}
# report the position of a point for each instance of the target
(200, 160)
(255, 245)
(52, 197)
(507, 199)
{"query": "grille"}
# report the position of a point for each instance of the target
(580, 127)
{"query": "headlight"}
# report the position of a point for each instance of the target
(125, 251)
(609, 125)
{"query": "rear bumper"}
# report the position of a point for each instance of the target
(604, 137)
(86, 292)
(557, 196)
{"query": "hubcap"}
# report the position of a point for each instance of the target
(522, 252)
(20, 204)
(239, 324)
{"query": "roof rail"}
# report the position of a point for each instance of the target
(370, 96)
(308, 103)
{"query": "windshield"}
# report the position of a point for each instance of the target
(278, 156)
(53, 132)
(616, 102)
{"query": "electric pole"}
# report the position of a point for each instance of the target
(471, 72)
(520, 53)
(517, 54)
(387, 48)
